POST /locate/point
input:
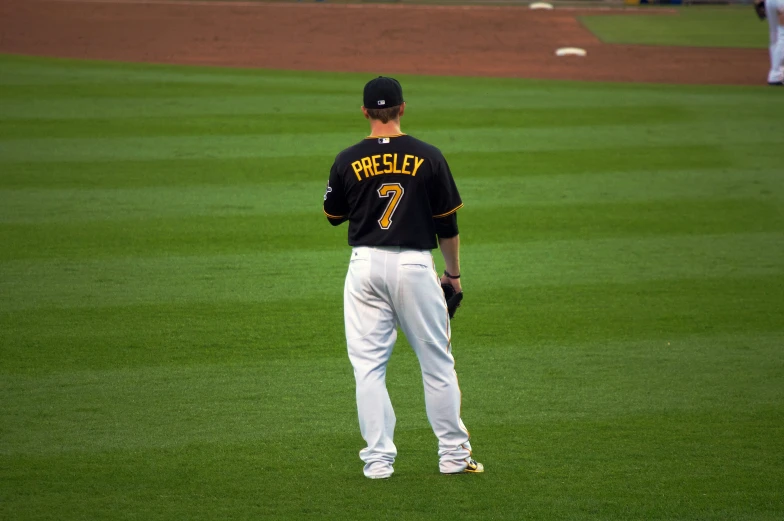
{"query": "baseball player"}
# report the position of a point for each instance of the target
(398, 196)
(773, 10)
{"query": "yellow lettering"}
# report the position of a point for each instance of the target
(395, 191)
(417, 163)
(387, 164)
(367, 165)
(394, 166)
(375, 159)
(405, 162)
(357, 166)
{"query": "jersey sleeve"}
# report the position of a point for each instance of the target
(446, 227)
(335, 204)
(444, 197)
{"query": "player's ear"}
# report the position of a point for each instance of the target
(365, 113)
(402, 109)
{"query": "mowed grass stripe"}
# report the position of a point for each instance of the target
(102, 410)
(556, 454)
(121, 107)
(262, 277)
(577, 312)
(230, 404)
(107, 82)
(315, 168)
(182, 172)
(276, 199)
(633, 220)
(241, 124)
(36, 70)
(247, 332)
(578, 460)
(278, 276)
(272, 278)
(523, 97)
(302, 231)
(324, 143)
(169, 91)
(172, 334)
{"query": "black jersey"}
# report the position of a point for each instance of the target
(391, 189)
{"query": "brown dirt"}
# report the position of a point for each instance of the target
(388, 39)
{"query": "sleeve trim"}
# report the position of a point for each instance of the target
(332, 216)
(450, 212)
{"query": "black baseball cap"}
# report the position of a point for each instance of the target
(382, 93)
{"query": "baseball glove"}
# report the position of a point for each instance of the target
(452, 298)
(759, 8)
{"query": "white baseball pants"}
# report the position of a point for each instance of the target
(772, 9)
(387, 287)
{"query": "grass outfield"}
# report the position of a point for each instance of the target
(171, 342)
(692, 26)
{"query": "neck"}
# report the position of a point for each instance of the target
(377, 128)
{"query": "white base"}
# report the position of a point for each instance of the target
(540, 5)
(570, 51)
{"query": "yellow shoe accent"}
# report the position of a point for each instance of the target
(474, 467)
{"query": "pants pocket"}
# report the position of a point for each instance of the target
(416, 261)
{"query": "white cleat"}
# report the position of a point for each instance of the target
(473, 467)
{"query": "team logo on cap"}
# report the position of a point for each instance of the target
(381, 102)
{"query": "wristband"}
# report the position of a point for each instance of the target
(450, 276)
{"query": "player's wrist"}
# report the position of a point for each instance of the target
(451, 275)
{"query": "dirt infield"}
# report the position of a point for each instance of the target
(389, 39)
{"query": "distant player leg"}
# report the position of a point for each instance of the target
(426, 326)
(775, 12)
(370, 336)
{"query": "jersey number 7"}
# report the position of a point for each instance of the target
(393, 191)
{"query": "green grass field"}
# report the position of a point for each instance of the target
(735, 26)
(171, 341)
